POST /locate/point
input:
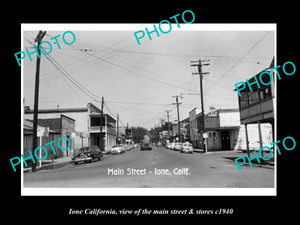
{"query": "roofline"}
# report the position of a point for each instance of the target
(57, 110)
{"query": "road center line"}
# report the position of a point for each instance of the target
(155, 161)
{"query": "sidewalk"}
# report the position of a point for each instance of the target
(49, 164)
(198, 150)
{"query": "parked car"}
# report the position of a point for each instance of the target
(187, 148)
(172, 146)
(145, 146)
(88, 154)
(117, 149)
(123, 148)
(129, 147)
(159, 144)
(169, 146)
(178, 146)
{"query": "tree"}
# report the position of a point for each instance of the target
(138, 133)
(154, 134)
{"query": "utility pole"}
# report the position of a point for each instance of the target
(101, 116)
(178, 122)
(200, 73)
(168, 116)
(38, 39)
(126, 133)
(117, 141)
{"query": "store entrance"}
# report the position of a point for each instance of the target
(225, 140)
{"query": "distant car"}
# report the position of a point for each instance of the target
(187, 148)
(88, 154)
(159, 144)
(172, 146)
(127, 147)
(169, 146)
(178, 146)
(117, 149)
(145, 146)
(123, 148)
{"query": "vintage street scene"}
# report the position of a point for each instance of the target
(165, 113)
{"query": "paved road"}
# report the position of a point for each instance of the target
(156, 168)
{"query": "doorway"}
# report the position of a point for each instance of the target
(225, 140)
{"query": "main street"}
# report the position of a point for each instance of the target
(157, 168)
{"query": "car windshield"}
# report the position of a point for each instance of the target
(84, 149)
(81, 154)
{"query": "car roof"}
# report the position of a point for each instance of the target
(89, 147)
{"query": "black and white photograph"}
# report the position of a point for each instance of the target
(148, 109)
(138, 110)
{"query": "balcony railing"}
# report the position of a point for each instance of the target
(96, 129)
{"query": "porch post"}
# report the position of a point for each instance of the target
(247, 142)
(260, 138)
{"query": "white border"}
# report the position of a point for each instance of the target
(151, 191)
(136, 27)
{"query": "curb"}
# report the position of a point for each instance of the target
(51, 166)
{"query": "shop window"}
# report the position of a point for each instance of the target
(265, 93)
(95, 121)
(253, 97)
(243, 100)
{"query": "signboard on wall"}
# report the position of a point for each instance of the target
(42, 131)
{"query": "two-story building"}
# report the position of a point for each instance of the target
(184, 132)
(224, 131)
(86, 125)
(257, 106)
(108, 124)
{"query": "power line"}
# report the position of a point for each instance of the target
(71, 79)
(178, 117)
(138, 103)
(256, 43)
(38, 39)
(131, 72)
(77, 84)
(200, 73)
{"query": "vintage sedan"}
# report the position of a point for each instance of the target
(145, 146)
(187, 148)
(88, 154)
(178, 146)
(117, 149)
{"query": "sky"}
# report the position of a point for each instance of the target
(138, 81)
